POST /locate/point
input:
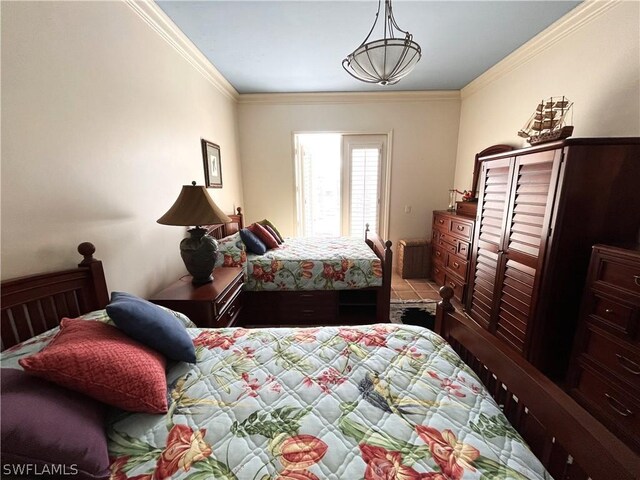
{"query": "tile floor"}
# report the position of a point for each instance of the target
(413, 289)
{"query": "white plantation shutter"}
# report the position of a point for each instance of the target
(339, 191)
(365, 181)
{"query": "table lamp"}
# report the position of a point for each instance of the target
(194, 207)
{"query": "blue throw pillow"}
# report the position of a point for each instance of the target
(152, 325)
(252, 242)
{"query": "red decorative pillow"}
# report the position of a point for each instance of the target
(102, 362)
(264, 235)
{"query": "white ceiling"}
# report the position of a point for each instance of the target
(276, 46)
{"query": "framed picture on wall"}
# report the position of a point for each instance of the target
(212, 164)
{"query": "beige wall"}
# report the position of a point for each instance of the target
(597, 66)
(424, 144)
(101, 125)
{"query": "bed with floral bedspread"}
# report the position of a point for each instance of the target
(338, 403)
(302, 263)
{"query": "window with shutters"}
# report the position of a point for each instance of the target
(340, 184)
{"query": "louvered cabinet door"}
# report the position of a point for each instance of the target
(493, 203)
(524, 242)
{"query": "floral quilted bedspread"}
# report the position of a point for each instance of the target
(378, 402)
(315, 264)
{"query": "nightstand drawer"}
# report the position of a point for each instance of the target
(230, 313)
(228, 296)
(213, 304)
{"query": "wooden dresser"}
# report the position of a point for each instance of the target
(605, 368)
(450, 250)
(540, 210)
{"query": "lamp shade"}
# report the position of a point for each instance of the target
(194, 207)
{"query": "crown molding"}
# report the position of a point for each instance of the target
(326, 98)
(153, 15)
(572, 21)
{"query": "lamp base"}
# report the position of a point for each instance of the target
(199, 253)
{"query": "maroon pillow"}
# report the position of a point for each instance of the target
(47, 425)
(273, 233)
(264, 235)
(104, 363)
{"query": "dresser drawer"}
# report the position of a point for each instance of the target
(613, 314)
(448, 238)
(441, 223)
(462, 229)
(456, 284)
(448, 247)
(462, 250)
(620, 358)
(439, 255)
(457, 265)
(438, 274)
(619, 275)
(615, 406)
(435, 236)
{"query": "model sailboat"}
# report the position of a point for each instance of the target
(548, 121)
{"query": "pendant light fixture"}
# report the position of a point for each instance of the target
(387, 60)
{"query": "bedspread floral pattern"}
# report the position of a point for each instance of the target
(378, 402)
(314, 264)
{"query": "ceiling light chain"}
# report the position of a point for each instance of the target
(387, 60)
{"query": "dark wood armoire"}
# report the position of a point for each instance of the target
(540, 211)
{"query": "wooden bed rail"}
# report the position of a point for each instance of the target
(569, 442)
(383, 251)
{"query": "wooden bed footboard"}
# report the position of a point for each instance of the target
(383, 251)
(36, 303)
(569, 442)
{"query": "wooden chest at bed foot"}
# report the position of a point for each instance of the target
(604, 376)
(414, 258)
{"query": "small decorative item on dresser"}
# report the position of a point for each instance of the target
(212, 164)
(604, 375)
(212, 305)
(548, 122)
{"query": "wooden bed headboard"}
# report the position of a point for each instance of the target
(222, 230)
(36, 303)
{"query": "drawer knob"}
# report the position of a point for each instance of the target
(609, 310)
(460, 227)
(618, 406)
(440, 222)
(636, 278)
(629, 365)
(456, 265)
(437, 253)
(452, 285)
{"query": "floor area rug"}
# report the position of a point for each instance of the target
(414, 312)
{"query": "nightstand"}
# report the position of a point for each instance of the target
(212, 305)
